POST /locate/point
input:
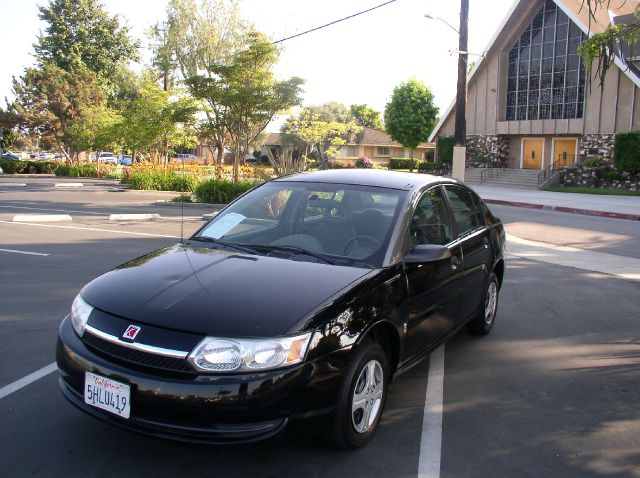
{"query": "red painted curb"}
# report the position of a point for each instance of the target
(571, 210)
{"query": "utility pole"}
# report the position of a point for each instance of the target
(460, 150)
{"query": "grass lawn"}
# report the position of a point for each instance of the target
(604, 192)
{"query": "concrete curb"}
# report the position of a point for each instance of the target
(571, 210)
(42, 218)
(211, 215)
(164, 202)
(68, 185)
(133, 217)
(13, 185)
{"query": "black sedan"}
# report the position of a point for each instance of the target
(301, 299)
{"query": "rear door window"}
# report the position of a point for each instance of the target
(466, 211)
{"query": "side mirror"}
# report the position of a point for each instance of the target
(425, 253)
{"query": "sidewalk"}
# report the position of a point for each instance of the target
(620, 207)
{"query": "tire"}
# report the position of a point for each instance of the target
(369, 368)
(482, 323)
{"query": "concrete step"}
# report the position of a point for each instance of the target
(517, 178)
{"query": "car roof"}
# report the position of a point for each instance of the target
(369, 177)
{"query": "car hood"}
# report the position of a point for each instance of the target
(217, 292)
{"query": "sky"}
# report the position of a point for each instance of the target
(356, 61)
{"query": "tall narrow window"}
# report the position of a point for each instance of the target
(545, 76)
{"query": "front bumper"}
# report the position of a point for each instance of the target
(204, 408)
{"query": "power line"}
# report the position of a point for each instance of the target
(334, 22)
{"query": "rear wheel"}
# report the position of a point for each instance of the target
(483, 322)
(361, 398)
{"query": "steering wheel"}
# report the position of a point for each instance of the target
(361, 237)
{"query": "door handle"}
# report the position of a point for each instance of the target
(455, 262)
(486, 243)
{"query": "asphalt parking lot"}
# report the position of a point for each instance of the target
(554, 390)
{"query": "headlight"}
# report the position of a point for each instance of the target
(80, 311)
(228, 355)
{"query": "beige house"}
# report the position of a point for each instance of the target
(374, 144)
(380, 148)
(529, 103)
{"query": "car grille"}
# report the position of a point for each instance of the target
(140, 359)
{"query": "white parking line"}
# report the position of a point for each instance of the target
(68, 185)
(91, 229)
(24, 252)
(24, 381)
(431, 440)
(55, 210)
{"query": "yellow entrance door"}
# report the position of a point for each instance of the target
(532, 153)
(564, 151)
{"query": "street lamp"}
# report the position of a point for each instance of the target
(460, 150)
(431, 17)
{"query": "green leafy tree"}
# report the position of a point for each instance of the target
(80, 33)
(366, 116)
(411, 114)
(93, 129)
(155, 121)
(321, 130)
(248, 94)
(202, 35)
(49, 100)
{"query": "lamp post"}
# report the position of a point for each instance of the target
(460, 150)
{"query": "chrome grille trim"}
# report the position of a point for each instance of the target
(136, 345)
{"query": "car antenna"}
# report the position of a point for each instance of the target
(182, 208)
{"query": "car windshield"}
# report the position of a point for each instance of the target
(336, 223)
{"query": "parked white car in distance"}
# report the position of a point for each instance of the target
(107, 158)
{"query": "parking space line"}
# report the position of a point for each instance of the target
(29, 379)
(24, 252)
(431, 439)
(91, 229)
(55, 210)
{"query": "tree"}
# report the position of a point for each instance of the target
(163, 59)
(94, 129)
(49, 100)
(202, 35)
(319, 129)
(601, 48)
(364, 115)
(155, 121)
(80, 33)
(411, 114)
(248, 95)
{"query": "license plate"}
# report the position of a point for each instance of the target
(107, 394)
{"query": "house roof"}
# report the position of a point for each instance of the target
(578, 12)
(273, 139)
(374, 137)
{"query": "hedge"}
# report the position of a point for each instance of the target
(445, 146)
(157, 180)
(221, 191)
(13, 166)
(403, 163)
(626, 151)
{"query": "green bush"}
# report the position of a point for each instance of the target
(81, 170)
(12, 166)
(157, 180)
(426, 166)
(593, 161)
(403, 163)
(221, 191)
(445, 146)
(609, 175)
(626, 152)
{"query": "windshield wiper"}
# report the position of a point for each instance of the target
(213, 240)
(298, 250)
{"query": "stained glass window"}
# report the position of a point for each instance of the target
(545, 76)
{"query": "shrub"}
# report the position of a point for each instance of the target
(403, 163)
(161, 180)
(339, 165)
(364, 162)
(626, 151)
(12, 166)
(83, 170)
(426, 166)
(593, 161)
(609, 175)
(445, 149)
(221, 191)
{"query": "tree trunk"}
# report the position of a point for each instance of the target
(220, 148)
(411, 160)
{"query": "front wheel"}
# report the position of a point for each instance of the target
(482, 323)
(361, 398)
